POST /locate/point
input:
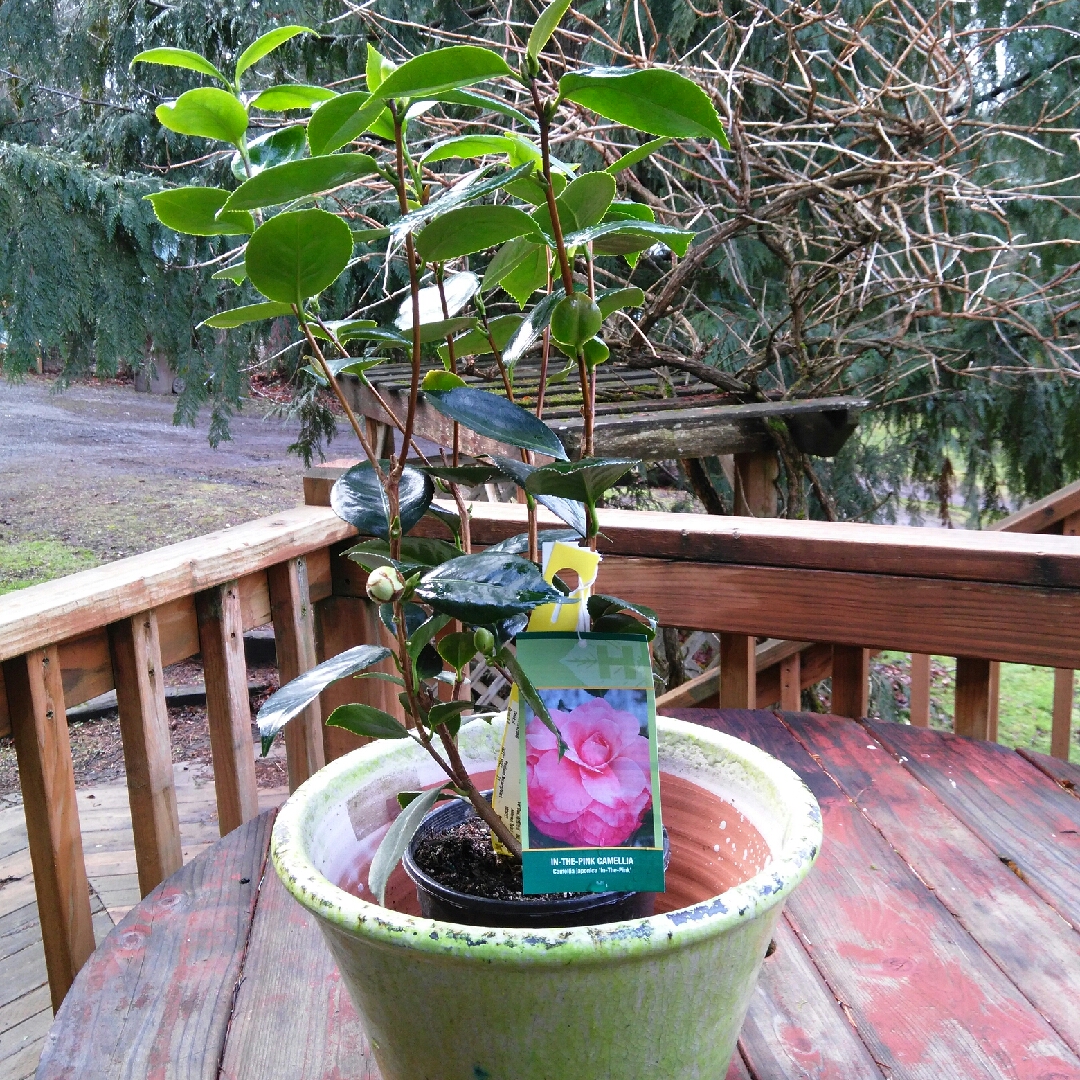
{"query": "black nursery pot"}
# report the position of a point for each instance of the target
(578, 909)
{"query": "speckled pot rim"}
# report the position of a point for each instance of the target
(624, 940)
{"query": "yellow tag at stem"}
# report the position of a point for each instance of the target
(572, 614)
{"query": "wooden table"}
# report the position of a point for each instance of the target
(933, 939)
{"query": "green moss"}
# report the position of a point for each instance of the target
(28, 562)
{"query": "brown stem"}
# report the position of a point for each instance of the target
(452, 356)
(463, 513)
(553, 208)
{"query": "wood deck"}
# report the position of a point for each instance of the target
(25, 1008)
(935, 938)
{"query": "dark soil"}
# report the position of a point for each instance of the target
(462, 858)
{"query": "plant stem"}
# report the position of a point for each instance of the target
(451, 354)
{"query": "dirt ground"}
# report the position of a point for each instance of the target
(101, 468)
(100, 472)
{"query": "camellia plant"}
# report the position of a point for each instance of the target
(536, 224)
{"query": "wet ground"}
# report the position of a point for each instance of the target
(102, 472)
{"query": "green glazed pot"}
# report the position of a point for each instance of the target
(661, 998)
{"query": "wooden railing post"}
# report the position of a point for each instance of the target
(850, 681)
(738, 672)
(972, 709)
(755, 484)
(35, 694)
(1061, 731)
(294, 630)
(919, 697)
(791, 683)
(135, 650)
(228, 709)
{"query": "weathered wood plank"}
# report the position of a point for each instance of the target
(794, 1028)
(791, 683)
(995, 907)
(161, 990)
(1020, 625)
(83, 602)
(1022, 815)
(755, 483)
(294, 631)
(292, 988)
(39, 726)
(919, 709)
(228, 708)
(1041, 515)
(1065, 774)
(5, 719)
(144, 729)
(971, 711)
(1061, 724)
(923, 996)
(850, 681)
(738, 671)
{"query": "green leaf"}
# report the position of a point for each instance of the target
(377, 68)
(295, 696)
(363, 330)
(291, 96)
(484, 589)
(621, 210)
(477, 343)
(415, 617)
(468, 146)
(275, 148)
(573, 513)
(397, 840)
(181, 58)
(649, 99)
(194, 210)
(496, 418)
(296, 179)
(267, 44)
(585, 201)
(609, 616)
(424, 633)
(530, 274)
(207, 112)
(428, 664)
(457, 649)
(534, 325)
(337, 122)
(473, 100)
(442, 69)
(507, 259)
(227, 320)
(343, 329)
(640, 153)
(528, 692)
(457, 290)
(468, 229)
(529, 189)
(441, 330)
(298, 254)
(343, 365)
(468, 475)
(415, 550)
(545, 26)
(625, 237)
(448, 713)
(366, 720)
(611, 300)
(441, 380)
(358, 498)
(518, 545)
(473, 186)
(237, 273)
(583, 481)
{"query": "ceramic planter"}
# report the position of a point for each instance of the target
(661, 998)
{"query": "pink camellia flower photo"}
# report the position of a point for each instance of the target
(597, 794)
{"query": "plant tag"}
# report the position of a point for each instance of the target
(589, 819)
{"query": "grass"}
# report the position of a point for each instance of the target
(29, 562)
(1025, 704)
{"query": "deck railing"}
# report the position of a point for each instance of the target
(848, 589)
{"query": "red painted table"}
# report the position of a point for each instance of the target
(934, 939)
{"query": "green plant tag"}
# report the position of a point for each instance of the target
(590, 817)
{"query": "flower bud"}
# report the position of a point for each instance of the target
(384, 584)
(484, 640)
